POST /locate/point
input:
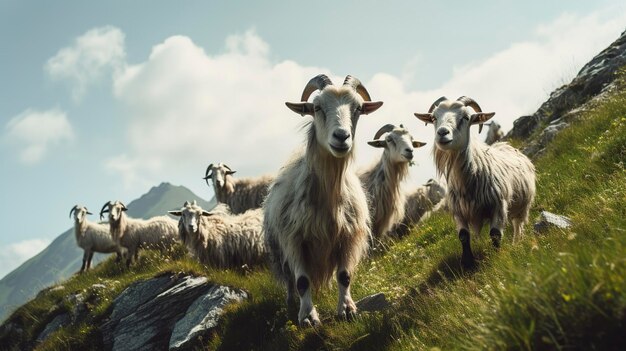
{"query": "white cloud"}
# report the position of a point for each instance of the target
(36, 131)
(13, 255)
(188, 108)
(92, 56)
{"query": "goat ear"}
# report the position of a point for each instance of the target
(89, 213)
(377, 143)
(425, 117)
(231, 172)
(175, 213)
(301, 108)
(480, 118)
(369, 107)
(418, 144)
(206, 213)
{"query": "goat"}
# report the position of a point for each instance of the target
(382, 180)
(91, 237)
(220, 239)
(239, 194)
(316, 215)
(419, 204)
(132, 234)
(494, 134)
(485, 183)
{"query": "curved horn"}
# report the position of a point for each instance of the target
(207, 176)
(318, 82)
(73, 209)
(468, 101)
(358, 86)
(103, 207)
(384, 129)
(186, 204)
(436, 103)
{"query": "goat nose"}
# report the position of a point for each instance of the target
(408, 150)
(443, 131)
(341, 134)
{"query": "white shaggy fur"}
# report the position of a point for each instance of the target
(239, 194)
(485, 183)
(132, 234)
(316, 216)
(419, 204)
(494, 134)
(382, 181)
(220, 239)
(91, 237)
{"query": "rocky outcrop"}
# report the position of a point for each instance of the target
(169, 311)
(592, 80)
(550, 220)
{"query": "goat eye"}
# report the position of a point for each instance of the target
(317, 108)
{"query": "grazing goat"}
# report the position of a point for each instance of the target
(316, 216)
(485, 183)
(91, 237)
(132, 234)
(220, 239)
(382, 181)
(239, 194)
(494, 134)
(419, 204)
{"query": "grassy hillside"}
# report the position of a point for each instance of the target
(561, 290)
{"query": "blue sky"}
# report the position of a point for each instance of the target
(102, 101)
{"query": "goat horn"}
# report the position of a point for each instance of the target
(103, 207)
(318, 82)
(384, 129)
(186, 204)
(358, 86)
(226, 166)
(73, 209)
(468, 101)
(436, 103)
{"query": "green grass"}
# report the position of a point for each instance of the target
(565, 289)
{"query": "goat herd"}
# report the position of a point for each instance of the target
(318, 216)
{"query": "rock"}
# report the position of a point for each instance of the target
(371, 303)
(548, 220)
(593, 79)
(203, 315)
(546, 136)
(57, 323)
(145, 315)
(98, 286)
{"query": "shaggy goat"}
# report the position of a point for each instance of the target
(222, 240)
(91, 237)
(382, 180)
(240, 194)
(419, 204)
(132, 234)
(316, 216)
(485, 183)
(494, 133)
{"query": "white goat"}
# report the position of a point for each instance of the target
(220, 239)
(316, 216)
(132, 234)
(485, 183)
(240, 194)
(419, 204)
(382, 180)
(494, 134)
(91, 237)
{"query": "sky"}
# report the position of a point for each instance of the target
(103, 100)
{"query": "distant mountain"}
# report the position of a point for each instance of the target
(62, 257)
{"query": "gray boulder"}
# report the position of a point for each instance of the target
(166, 311)
(550, 220)
(55, 324)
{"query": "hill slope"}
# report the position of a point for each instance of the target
(562, 289)
(62, 257)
